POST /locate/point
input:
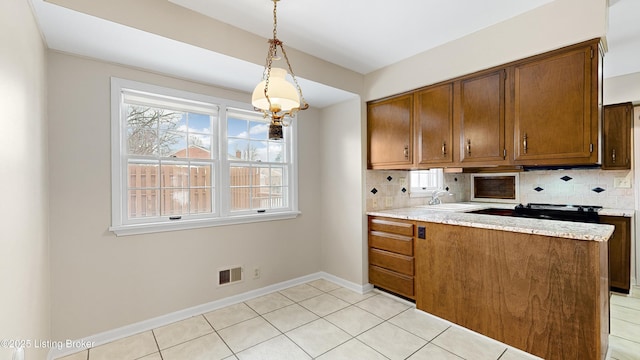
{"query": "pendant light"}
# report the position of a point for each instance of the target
(274, 96)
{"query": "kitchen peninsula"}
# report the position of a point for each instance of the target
(541, 286)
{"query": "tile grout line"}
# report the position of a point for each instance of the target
(157, 345)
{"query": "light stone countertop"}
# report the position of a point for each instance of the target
(617, 212)
(563, 229)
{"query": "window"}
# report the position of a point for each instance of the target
(425, 182)
(169, 170)
(258, 167)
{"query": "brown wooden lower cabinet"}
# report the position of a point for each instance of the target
(547, 296)
(391, 261)
(619, 253)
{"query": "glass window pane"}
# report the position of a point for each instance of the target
(238, 149)
(264, 174)
(237, 128)
(200, 200)
(278, 197)
(200, 123)
(174, 175)
(241, 176)
(276, 152)
(240, 198)
(173, 144)
(260, 198)
(143, 203)
(142, 141)
(170, 120)
(201, 175)
(143, 176)
(278, 177)
(258, 151)
(258, 130)
(200, 146)
(174, 202)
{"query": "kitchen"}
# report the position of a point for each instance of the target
(444, 122)
(331, 234)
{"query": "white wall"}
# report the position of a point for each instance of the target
(342, 181)
(101, 282)
(557, 24)
(24, 246)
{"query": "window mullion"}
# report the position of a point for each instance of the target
(224, 191)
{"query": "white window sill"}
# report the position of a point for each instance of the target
(148, 228)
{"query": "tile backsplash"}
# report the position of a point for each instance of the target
(390, 189)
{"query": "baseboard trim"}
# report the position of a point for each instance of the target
(146, 325)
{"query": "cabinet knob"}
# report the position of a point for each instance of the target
(468, 146)
(406, 152)
(444, 149)
(524, 143)
(613, 156)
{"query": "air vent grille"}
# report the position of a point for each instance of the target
(230, 275)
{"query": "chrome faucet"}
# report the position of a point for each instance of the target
(435, 200)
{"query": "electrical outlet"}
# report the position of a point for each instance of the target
(622, 182)
(374, 203)
(388, 201)
(256, 273)
(402, 181)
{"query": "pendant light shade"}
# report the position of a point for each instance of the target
(274, 96)
(283, 95)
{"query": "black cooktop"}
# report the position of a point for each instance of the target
(576, 213)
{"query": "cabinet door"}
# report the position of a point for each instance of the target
(616, 129)
(389, 128)
(536, 293)
(434, 125)
(619, 253)
(555, 108)
(482, 127)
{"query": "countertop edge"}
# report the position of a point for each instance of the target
(553, 228)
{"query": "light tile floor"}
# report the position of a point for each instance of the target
(321, 320)
(624, 338)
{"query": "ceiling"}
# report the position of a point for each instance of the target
(360, 35)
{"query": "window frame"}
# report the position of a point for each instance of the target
(417, 191)
(221, 215)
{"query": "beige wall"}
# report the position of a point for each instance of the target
(557, 24)
(101, 282)
(178, 23)
(24, 246)
(621, 89)
(342, 177)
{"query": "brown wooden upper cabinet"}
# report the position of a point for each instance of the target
(390, 133)
(434, 125)
(616, 131)
(555, 99)
(482, 118)
(542, 110)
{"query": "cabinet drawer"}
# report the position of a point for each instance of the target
(392, 281)
(388, 260)
(395, 243)
(398, 227)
